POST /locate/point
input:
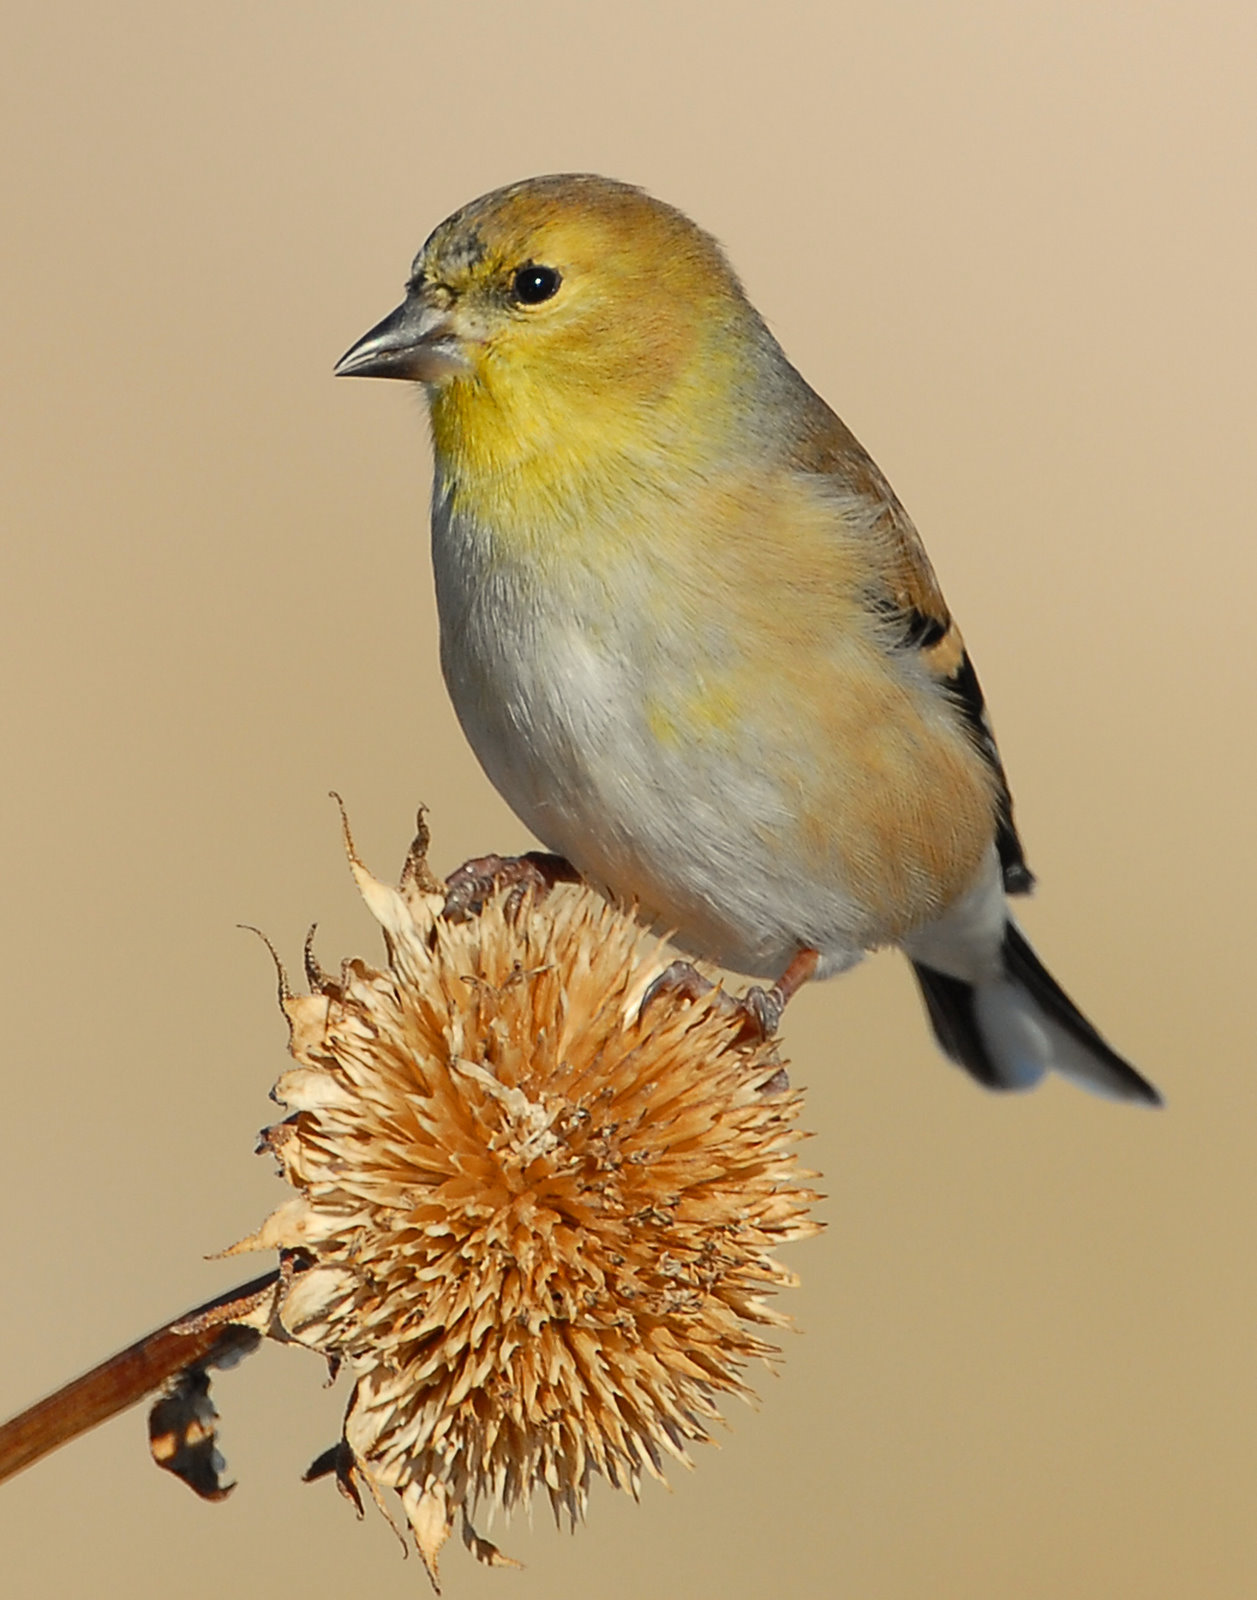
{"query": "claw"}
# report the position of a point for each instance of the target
(683, 981)
(759, 1009)
(763, 1008)
(477, 880)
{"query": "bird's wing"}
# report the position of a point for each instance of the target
(906, 595)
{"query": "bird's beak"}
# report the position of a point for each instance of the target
(417, 341)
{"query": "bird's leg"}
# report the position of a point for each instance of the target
(467, 889)
(759, 1009)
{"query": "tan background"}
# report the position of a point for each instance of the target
(1014, 246)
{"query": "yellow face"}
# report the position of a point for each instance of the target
(591, 282)
(561, 317)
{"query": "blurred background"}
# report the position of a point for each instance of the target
(1014, 246)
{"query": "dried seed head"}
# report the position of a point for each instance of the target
(536, 1226)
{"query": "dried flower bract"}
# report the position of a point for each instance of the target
(537, 1226)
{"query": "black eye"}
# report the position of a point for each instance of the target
(531, 284)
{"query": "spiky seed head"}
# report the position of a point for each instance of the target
(537, 1225)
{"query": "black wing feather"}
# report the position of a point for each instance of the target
(922, 632)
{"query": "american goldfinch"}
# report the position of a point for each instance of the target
(692, 635)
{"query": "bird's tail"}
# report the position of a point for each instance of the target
(1009, 1030)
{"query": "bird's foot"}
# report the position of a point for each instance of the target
(683, 981)
(467, 889)
(758, 1010)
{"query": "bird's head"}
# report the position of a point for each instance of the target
(560, 308)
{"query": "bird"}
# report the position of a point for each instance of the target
(692, 635)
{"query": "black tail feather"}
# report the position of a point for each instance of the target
(1026, 970)
(949, 1002)
(971, 1023)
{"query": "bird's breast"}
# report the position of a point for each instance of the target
(721, 743)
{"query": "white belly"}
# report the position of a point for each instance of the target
(555, 694)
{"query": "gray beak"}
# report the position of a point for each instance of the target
(416, 342)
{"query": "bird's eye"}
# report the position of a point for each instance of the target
(532, 284)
